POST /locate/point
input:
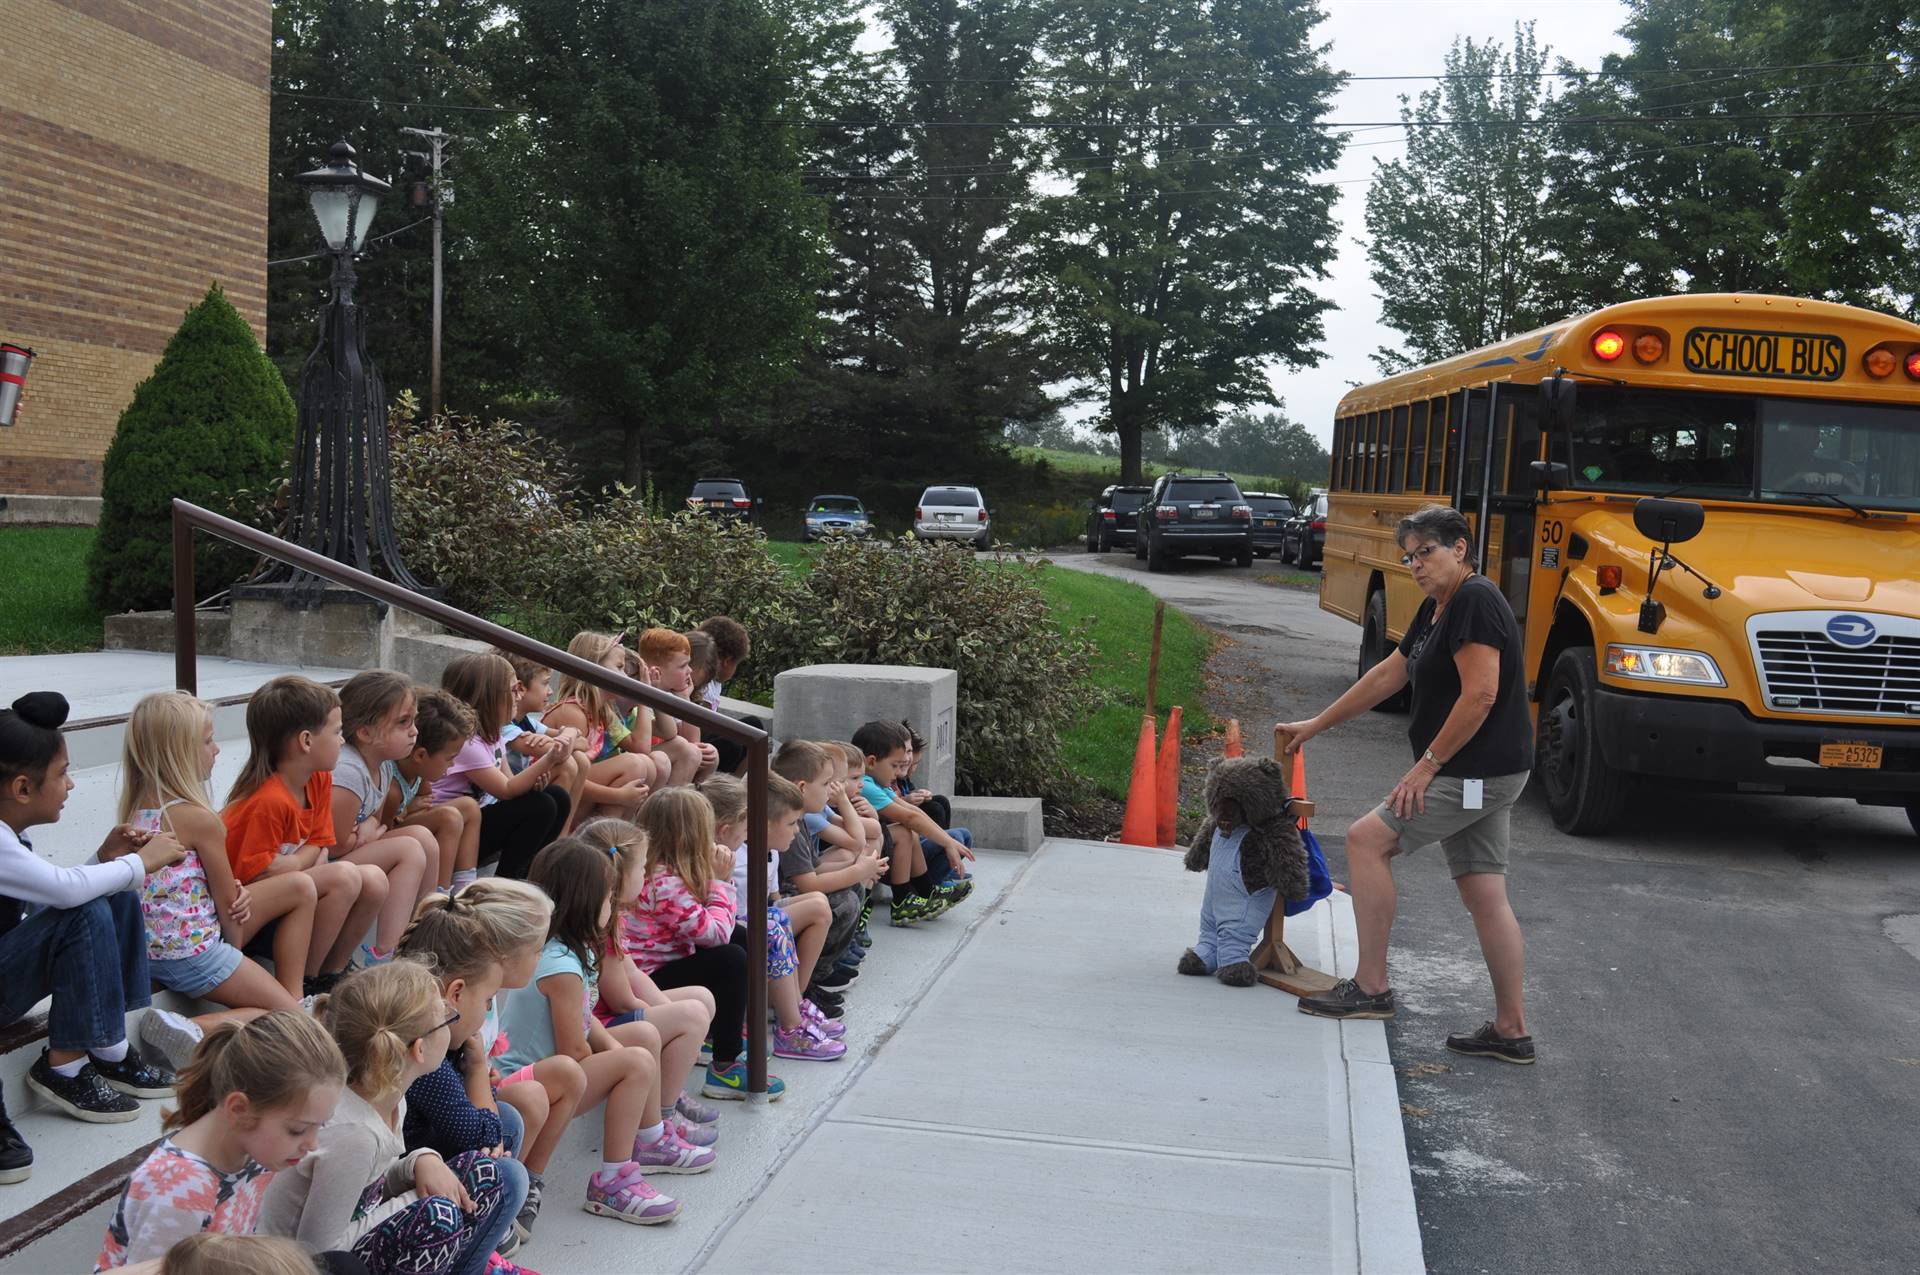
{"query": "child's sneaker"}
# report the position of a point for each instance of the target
(369, 956)
(837, 979)
(706, 1052)
(908, 911)
(954, 890)
(802, 1043)
(672, 1154)
(829, 1004)
(627, 1195)
(730, 1084)
(499, 1265)
(529, 1208)
(935, 906)
(173, 1036)
(697, 1135)
(861, 934)
(84, 1096)
(695, 1111)
(811, 1014)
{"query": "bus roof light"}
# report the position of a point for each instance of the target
(1913, 365)
(1608, 345)
(1649, 347)
(1879, 361)
(1609, 577)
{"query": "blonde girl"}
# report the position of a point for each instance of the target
(252, 1103)
(682, 1017)
(519, 813)
(797, 924)
(469, 940)
(376, 716)
(198, 916)
(553, 1016)
(617, 780)
(212, 1253)
(362, 1189)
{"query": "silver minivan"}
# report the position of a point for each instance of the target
(953, 513)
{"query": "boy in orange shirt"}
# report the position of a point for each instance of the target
(279, 818)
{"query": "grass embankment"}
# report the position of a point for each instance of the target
(1108, 467)
(46, 610)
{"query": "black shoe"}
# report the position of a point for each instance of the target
(323, 982)
(135, 1076)
(84, 1096)
(1487, 1043)
(837, 979)
(830, 1003)
(1346, 1000)
(16, 1157)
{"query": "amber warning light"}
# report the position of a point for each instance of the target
(1608, 345)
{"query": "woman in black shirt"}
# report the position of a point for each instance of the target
(1473, 747)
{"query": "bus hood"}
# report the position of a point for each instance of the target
(1776, 560)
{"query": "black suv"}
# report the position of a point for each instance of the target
(722, 498)
(1270, 513)
(1115, 517)
(1193, 514)
(1306, 533)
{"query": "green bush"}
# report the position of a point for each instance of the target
(214, 418)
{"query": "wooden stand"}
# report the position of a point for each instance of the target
(1275, 961)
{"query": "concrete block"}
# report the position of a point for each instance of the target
(831, 701)
(423, 657)
(153, 631)
(1001, 823)
(63, 511)
(345, 630)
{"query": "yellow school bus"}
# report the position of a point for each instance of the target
(1705, 511)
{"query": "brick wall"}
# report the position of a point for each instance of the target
(133, 174)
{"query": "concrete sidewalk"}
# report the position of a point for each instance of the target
(1060, 1099)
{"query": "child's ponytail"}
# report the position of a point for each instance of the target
(275, 1060)
(376, 1015)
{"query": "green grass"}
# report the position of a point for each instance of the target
(46, 606)
(793, 555)
(1101, 746)
(1108, 467)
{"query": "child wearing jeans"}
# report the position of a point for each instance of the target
(279, 818)
(85, 945)
(844, 876)
(252, 1102)
(198, 917)
(442, 726)
(376, 717)
(518, 813)
(952, 886)
(886, 748)
(361, 1189)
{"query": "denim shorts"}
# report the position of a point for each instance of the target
(197, 975)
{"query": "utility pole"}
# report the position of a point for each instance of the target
(441, 196)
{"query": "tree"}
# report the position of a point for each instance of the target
(1175, 270)
(659, 235)
(1454, 226)
(213, 418)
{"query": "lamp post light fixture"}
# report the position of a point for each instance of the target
(340, 502)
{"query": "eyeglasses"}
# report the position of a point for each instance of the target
(1406, 559)
(449, 1023)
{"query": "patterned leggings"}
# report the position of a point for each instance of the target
(432, 1236)
(782, 957)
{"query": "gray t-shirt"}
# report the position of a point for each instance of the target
(351, 773)
(801, 855)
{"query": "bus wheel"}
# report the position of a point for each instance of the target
(1374, 648)
(1583, 793)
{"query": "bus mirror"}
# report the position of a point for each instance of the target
(1558, 399)
(1548, 475)
(1668, 522)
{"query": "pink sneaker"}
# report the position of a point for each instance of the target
(695, 1111)
(498, 1265)
(698, 1135)
(829, 1028)
(672, 1154)
(630, 1197)
(802, 1043)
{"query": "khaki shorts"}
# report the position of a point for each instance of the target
(1475, 840)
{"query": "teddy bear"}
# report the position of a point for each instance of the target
(1251, 851)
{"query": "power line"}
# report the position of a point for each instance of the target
(1229, 125)
(1570, 73)
(315, 256)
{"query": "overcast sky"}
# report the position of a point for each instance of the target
(1407, 37)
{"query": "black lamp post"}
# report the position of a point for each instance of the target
(340, 502)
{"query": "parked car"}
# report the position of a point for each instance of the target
(1305, 541)
(1270, 513)
(723, 498)
(953, 513)
(1114, 518)
(1193, 514)
(837, 516)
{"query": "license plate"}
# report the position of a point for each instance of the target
(1268, 522)
(1850, 756)
(1206, 513)
(948, 517)
(717, 504)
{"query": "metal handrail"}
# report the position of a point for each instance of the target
(188, 517)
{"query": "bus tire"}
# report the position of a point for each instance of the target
(1584, 794)
(1374, 648)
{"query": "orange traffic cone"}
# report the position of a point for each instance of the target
(1233, 737)
(1298, 783)
(1138, 825)
(1167, 791)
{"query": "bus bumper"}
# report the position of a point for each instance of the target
(1714, 743)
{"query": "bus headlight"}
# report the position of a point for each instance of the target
(1657, 664)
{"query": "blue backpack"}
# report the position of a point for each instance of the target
(1319, 880)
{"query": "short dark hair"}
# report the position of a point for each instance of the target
(880, 739)
(1440, 523)
(30, 735)
(730, 641)
(440, 718)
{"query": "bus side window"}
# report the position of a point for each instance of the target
(1397, 451)
(1342, 432)
(1364, 461)
(1417, 447)
(1436, 445)
(1377, 452)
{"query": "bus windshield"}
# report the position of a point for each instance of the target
(1741, 447)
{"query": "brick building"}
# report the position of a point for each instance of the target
(133, 174)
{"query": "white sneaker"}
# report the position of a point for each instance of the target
(172, 1035)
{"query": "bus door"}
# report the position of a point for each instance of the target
(1472, 408)
(1514, 498)
(1500, 435)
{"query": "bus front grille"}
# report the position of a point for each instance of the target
(1804, 672)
